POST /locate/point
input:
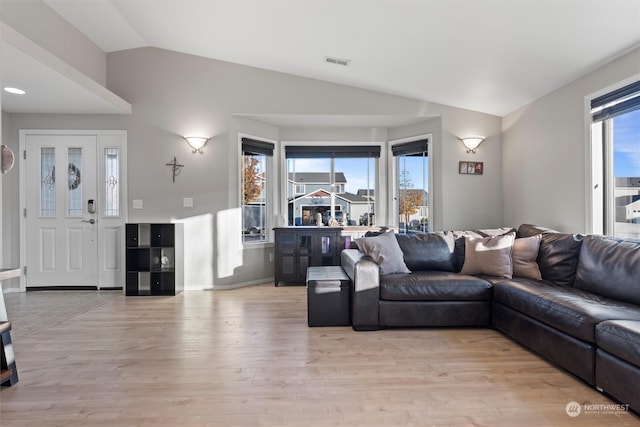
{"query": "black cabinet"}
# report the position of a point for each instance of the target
(297, 248)
(154, 259)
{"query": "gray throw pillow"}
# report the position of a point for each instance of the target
(489, 255)
(385, 251)
(524, 256)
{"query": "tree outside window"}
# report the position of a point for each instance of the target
(253, 182)
(254, 189)
(413, 203)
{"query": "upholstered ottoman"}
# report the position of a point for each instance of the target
(328, 296)
(618, 360)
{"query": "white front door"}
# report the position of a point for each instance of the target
(73, 217)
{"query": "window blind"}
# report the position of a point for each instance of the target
(615, 103)
(419, 147)
(254, 146)
(333, 152)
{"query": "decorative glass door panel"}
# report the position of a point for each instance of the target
(47, 182)
(305, 250)
(74, 177)
(288, 254)
(111, 182)
(327, 245)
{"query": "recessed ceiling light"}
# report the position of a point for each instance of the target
(14, 90)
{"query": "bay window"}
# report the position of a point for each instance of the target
(332, 185)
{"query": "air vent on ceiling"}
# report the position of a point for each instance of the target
(337, 61)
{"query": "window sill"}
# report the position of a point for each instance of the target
(257, 245)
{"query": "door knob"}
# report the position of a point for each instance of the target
(90, 221)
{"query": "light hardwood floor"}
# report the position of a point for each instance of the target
(247, 358)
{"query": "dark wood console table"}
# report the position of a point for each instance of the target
(297, 248)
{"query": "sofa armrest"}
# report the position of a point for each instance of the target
(365, 295)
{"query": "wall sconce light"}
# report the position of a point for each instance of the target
(472, 143)
(196, 143)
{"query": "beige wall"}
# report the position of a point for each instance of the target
(175, 94)
(545, 146)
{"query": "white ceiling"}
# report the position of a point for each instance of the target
(52, 86)
(50, 91)
(486, 55)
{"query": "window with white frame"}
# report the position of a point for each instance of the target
(339, 184)
(254, 191)
(615, 134)
(412, 165)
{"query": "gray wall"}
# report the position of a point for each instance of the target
(545, 147)
(463, 202)
(175, 94)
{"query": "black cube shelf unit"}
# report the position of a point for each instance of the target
(154, 255)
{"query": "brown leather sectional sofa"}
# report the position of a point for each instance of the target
(583, 314)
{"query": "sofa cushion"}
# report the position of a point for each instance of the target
(489, 255)
(429, 251)
(610, 267)
(385, 251)
(558, 257)
(524, 256)
(573, 311)
(528, 230)
(493, 232)
(620, 338)
(558, 254)
(434, 286)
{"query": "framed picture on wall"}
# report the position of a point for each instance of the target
(471, 168)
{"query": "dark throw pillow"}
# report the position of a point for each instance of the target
(430, 251)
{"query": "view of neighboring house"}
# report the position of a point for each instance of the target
(368, 217)
(310, 194)
(627, 205)
(370, 194)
